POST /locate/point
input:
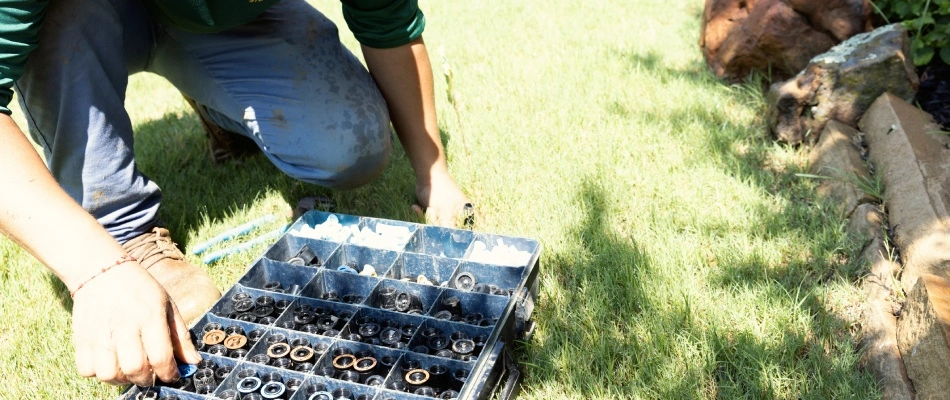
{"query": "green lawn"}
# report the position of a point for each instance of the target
(682, 257)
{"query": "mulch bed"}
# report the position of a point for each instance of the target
(934, 93)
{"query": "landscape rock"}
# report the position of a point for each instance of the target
(775, 37)
(836, 157)
(842, 83)
(880, 353)
(911, 157)
(924, 337)
(865, 224)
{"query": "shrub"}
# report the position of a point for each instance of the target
(927, 21)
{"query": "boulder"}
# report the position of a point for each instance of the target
(923, 337)
(775, 37)
(911, 156)
(842, 83)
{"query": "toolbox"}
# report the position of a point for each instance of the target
(350, 307)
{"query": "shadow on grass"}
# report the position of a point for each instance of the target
(617, 336)
(173, 152)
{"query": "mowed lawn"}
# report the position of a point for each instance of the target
(682, 257)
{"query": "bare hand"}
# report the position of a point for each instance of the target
(442, 203)
(126, 329)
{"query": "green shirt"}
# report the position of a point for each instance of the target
(375, 23)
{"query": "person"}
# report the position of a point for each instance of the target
(262, 75)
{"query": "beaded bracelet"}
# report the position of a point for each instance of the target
(122, 260)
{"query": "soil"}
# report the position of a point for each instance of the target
(934, 93)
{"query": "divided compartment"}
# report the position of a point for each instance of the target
(264, 380)
(313, 225)
(159, 393)
(322, 388)
(316, 317)
(358, 363)
(186, 388)
(383, 233)
(278, 277)
(224, 345)
(341, 287)
(302, 251)
(440, 242)
(413, 266)
(509, 251)
(394, 330)
(357, 257)
(426, 376)
(404, 297)
(487, 278)
(251, 305)
(289, 350)
(468, 307)
(450, 340)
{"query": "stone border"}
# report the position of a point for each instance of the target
(905, 344)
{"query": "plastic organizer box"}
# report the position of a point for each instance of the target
(348, 307)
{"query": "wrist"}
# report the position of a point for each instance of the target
(121, 260)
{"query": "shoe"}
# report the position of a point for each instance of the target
(190, 287)
(224, 144)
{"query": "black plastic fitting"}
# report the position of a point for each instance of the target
(438, 375)
(374, 380)
(303, 367)
(445, 353)
(302, 354)
(348, 375)
(273, 390)
(282, 304)
(444, 315)
(449, 394)
(278, 350)
(255, 335)
(284, 363)
(218, 350)
(417, 377)
(465, 281)
(370, 329)
(237, 354)
(342, 393)
(243, 305)
(321, 396)
(352, 298)
(260, 359)
(229, 394)
(305, 256)
(463, 346)
(222, 373)
(424, 391)
(390, 336)
(248, 384)
(271, 285)
(211, 326)
(344, 361)
(277, 337)
(365, 364)
(304, 317)
(386, 297)
(460, 376)
(240, 296)
(437, 342)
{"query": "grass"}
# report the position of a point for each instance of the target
(683, 257)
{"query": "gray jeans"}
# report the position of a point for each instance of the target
(283, 80)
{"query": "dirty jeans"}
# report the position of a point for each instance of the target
(283, 80)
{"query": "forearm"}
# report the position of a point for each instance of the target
(404, 76)
(37, 214)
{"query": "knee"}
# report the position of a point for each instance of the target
(351, 158)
